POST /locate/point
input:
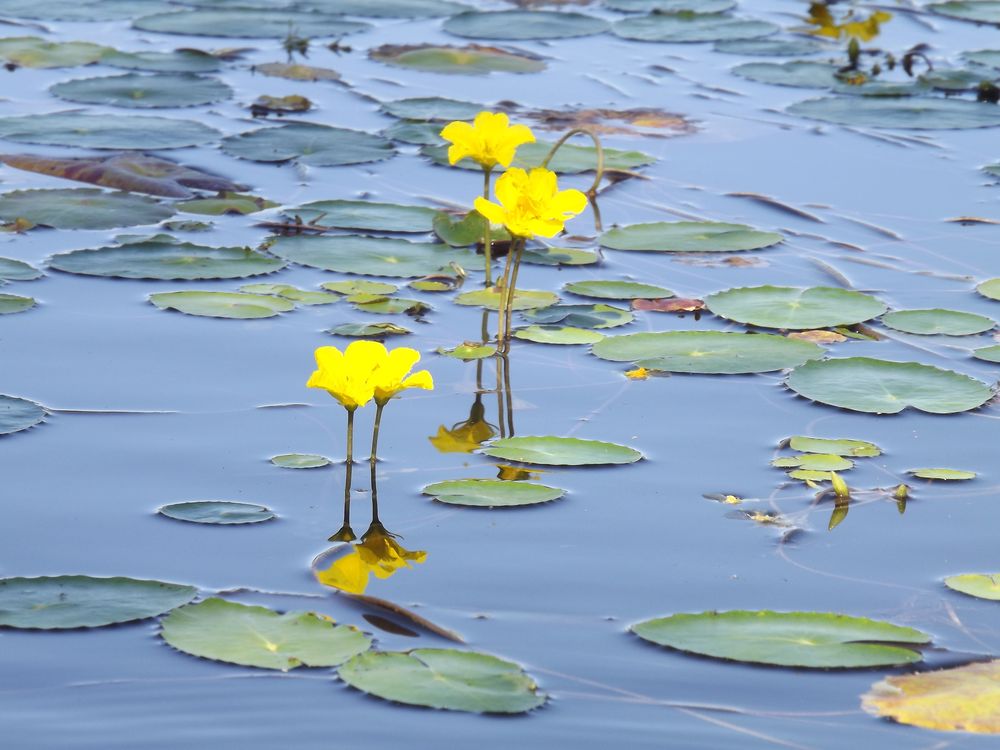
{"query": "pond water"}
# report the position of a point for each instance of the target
(149, 407)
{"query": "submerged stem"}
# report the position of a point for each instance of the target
(379, 406)
(592, 192)
(487, 240)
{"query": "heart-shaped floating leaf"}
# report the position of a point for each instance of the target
(300, 461)
(770, 47)
(883, 387)
(359, 286)
(223, 512)
(371, 256)
(979, 585)
(465, 230)
(691, 27)
(144, 91)
(990, 289)
(178, 61)
(838, 447)
(444, 678)
(468, 351)
(814, 462)
(315, 145)
(938, 321)
(581, 316)
(961, 699)
(921, 113)
(246, 23)
(34, 52)
(818, 640)
(978, 11)
(523, 24)
(18, 414)
(18, 270)
(617, 290)
(368, 330)
(794, 308)
(383, 217)
(948, 475)
(81, 208)
(433, 108)
(81, 10)
(491, 493)
(570, 159)
(301, 296)
(118, 132)
(561, 256)
(473, 59)
(798, 73)
(417, 133)
(59, 602)
(707, 352)
(226, 203)
(238, 305)
(260, 637)
(558, 335)
(670, 6)
(549, 450)
(688, 237)
(385, 8)
(163, 257)
(14, 303)
(524, 299)
(988, 353)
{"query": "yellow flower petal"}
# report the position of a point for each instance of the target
(489, 140)
(531, 204)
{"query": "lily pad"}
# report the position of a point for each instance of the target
(260, 637)
(581, 316)
(947, 475)
(382, 217)
(558, 335)
(904, 113)
(144, 90)
(369, 256)
(990, 289)
(385, 8)
(223, 512)
(226, 203)
(14, 303)
(937, 321)
(466, 230)
(118, 132)
(570, 159)
(300, 461)
(491, 493)
(17, 270)
(238, 305)
(988, 353)
(444, 678)
(81, 208)
(561, 256)
(315, 145)
(297, 72)
(393, 306)
(811, 475)
(368, 330)
(61, 602)
(524, 299)
(691, 27)
(688, 237)
(163, 257)
(561, 451)
(300, 296)
(770, 47)
(793, 308)
(18, 414)
(432, 108)
(473, 59)
(707, 352)
(979, 11)
(247, 23)
(617, 290)
(816, 640)
(670, 6)
(80, 10)
(524, 24)
(178, 61)
(468, 351)
(359, 287)
(882, 387)
(34, 52)
(798, 73)
(413, 132)
(855, 448)
(979, 585)
(960, 699)
(814, 462)
(988, 57)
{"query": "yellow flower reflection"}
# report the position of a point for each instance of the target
(489, 140)
(466, 436)
(531, 203)
(378, 553)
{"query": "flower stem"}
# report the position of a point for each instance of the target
(487, 241)
(350, 436)
(592, 192)
(379, 406)
(516, 249)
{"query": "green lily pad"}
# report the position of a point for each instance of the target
(13, 303)
(369, 256)
(816, 640)
(794, 308)
(987, 57)
(979, 11)
(691, 27)
(798, 73)
(468, 351)
(433, 108)
(384, 8)
(223, 512)
(955, 79)
(855, 448)
(466, 230)
(80, 10)
(811, 475)
(246, 23)
(368, 330)
(990, 289)
(979, 585)
(163, 257)
(707, 352)
(393, 306)
(558, 335)
(617, 290)
(561, 451)
(118, 132)
(416, 133)
(178, 61)
(315, 145)
(670, 6)
(688, 237)
(561, 256)
(883, 387)
(300, 461)
(227, 203)
(523, 24)
(947, 475)
(61, 602)
(144, 90)
(34, 52)
(581, 316)
(988, 353)
(938, 321)
(237, 305)
(444, 678)
(570, 159)
(82, 208)
(814, 462)
(18, 414)
(524, 299)
(18, 270)
(908, 113)
(770, 47)
(491, 493)
(259, 637)
(383, 217)
(301, 296)
(473, 59)
(359, 287)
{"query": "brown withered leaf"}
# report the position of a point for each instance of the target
(132, 172)
(671, 304)
(297, 72)
(818, 337)
(265, 104)
(639, 121)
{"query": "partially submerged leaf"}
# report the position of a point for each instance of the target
(226, 202)
(81, 208)
(561, 451)
(18, 414)
(838, 447)
(688, 237)
(368, 330)
(472, 59)
(297, 72)
(523, 24)
(237, 305)
(35, 52)
(524, 299)
(979, 585)
(222, 512)
(14, 303)
(491, 493)
(554, 334)
(947, 475)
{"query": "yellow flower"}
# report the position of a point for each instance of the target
(466, 436)
(489, 140)
(392, 374)
(378, 553)
(366, 370)
(532, 203)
